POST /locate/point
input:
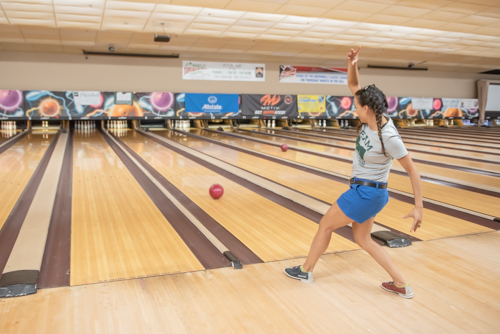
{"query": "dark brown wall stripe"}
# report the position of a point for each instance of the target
(208, 255)
(12, 226)
(57, 255)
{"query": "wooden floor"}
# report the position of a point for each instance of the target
(455, 282)
(438, 225)
(17, 165)
(449, 160)
(117, 231)
(458, 197)
(468, 178)
(271, 231)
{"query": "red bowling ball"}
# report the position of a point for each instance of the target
(284, 147)
(216, 191)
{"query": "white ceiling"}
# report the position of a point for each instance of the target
(446, 35)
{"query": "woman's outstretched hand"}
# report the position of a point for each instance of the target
(417, 215)
(353, 56)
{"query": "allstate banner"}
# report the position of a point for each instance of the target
(211, 105)
(313, 75)
(311, 106)
(269, 106)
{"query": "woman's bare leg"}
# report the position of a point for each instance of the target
(362, 236)
(332, 220)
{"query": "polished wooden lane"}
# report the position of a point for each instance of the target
(7, 134)
(455, 282)
(17, 165)
(460, 198)
(430, 136)
(437, 225)
(457, 160)
(415, 142)
(432, 133)
(269, 230)
(473, 179)
(117, 231)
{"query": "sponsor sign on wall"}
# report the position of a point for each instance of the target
(269, 106)
(209, 105)
(311, 106)
(195, 70)
(313, 75)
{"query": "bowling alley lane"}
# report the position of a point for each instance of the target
(411, 137)
(17, 165)
(451, 160)
(419, 143)
(458, 197)
(329, 190)
(117, 231)
(442, 173)
(271, 231)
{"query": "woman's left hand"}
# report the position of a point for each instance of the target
(417, 215)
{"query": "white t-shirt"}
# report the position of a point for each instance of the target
(369, 162)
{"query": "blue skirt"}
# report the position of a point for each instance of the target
(361, 203)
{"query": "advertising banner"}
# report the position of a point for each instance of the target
(424, 103)
(86, 98)
(206, 106)
(42, 104)
(156, 105)
(340, 107)
(454, 108)
(196, 70)
(269, 106)
(408, 108)
(311, 106)
(313, 75)
(11, 104)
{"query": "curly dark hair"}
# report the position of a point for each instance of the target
(373, 97)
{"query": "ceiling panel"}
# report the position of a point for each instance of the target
(363, 6)
(252, 6)
(385, 19)
(301, 10)
(409, 29)
(347, 15)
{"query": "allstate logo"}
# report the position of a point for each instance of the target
(212, 99)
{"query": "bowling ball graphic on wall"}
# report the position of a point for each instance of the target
(392, 105)
(49, 108)
(122, 110)
(407, 108)
(453, 112)
(11, 102)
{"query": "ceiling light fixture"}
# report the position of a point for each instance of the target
(411, 68)
(142, 55)
(162, 38)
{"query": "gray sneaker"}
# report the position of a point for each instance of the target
(297, 273)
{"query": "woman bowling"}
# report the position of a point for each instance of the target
(377, 144)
